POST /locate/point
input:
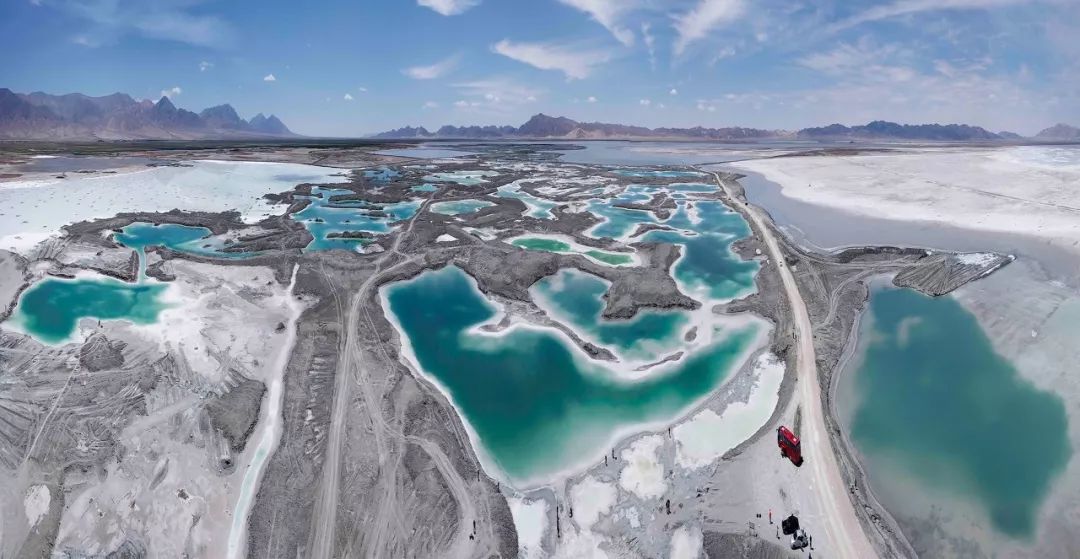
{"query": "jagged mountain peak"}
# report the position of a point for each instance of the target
(119, 116)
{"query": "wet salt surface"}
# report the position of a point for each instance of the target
(72, 163)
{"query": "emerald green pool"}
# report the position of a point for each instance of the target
(549, 245)
(537, 405)
(51, 309)
(554, 245)
(933, 398)
(610, 258)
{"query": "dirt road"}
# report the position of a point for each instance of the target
(843, 531)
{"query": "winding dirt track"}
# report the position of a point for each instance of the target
(385, 536)
(844, 532)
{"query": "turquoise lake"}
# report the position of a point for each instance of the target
(932, 398)
(322, 217)
(574, 298)
(537, 405)
(708, 267)
(51, 309)
(181, 238)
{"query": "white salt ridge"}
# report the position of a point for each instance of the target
(643, 475)
(530, 522)
(976, 258)
(707, 435)
(591, 499)
(582, 544)
(36, 503)
(686, 543)
(445, 238)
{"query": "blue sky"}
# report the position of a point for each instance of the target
(349, 67)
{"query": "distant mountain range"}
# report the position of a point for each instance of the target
(40, 116)
(542, 126)
(1059, 132)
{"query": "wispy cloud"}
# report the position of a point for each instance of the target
(430, 105)
(204, 66)
(708, 14)
(905, 7)
(497, 91)
(269, 78)
(591, 99)
(448, 7)
(167, 20)
(171, 92)
(650, 43)
(608, 13)
(575, 63)
(348, 97)
(432, 71)
(867, 80)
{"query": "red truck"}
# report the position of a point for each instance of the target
(790, 447)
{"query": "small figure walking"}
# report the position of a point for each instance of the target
(777, 532)
(770, 516)
(811, 542)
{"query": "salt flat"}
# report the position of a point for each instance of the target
(1030, 190)
(32, 211)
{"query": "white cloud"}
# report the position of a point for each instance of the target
(269, 78)
(575, 63)
(204, 66)
(171, 92)
(448, 7)
(429, 105)
(726, 52)
(348, 97)
(698, 22)
(167, 20)
(433, 71)
(868, 81)
(650, 43)
(362, 89)
(673, 91)
(607, 13)
(864, 60)
(496, 91)
(906, 7)
(645, 102)
(591, 99)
